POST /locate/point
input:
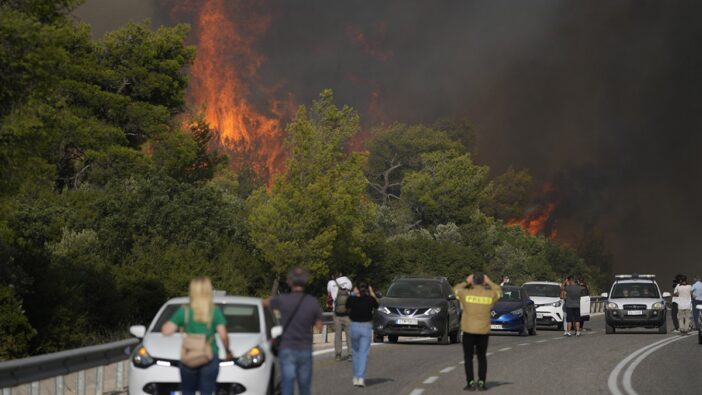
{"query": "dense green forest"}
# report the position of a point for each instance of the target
(112, 196)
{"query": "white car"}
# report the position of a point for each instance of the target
(153, 367)
(549, 305)
(635, 301)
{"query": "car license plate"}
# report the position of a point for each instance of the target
(407, 321)
(539, 315)
(635, 312)
(495, 326)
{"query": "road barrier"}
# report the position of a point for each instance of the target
(98, 368)
(597, 304)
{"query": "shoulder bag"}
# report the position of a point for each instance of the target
(196, 350)
(275, 342)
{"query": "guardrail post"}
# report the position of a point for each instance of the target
(58, 381)
(34, 388)
(120, 376)
(80, 383)
(324, 333)
(98, 380)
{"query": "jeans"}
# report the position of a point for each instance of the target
(341, 325)
(696, 313)
(674, 315)
(478, 344)
(684, 320)
(361, 333)
(203, 378)
(295, 364)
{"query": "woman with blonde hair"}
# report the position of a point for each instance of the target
(201, 317)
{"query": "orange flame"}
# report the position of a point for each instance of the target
(225, 66)
(535, 222)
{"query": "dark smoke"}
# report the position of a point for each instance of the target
(601, 99)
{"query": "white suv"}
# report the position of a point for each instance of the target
(549, 305)
(635, 301)
(153, 367)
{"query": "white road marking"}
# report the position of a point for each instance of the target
(431, 380)
(592, 332)
(490, 353)
(558, 338)
(523, 344)
(448, 369)
(505, 349)
(462, 362)
(643, 352)
(542, 341)
(417, 391)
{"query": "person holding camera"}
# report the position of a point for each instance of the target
(361, 305)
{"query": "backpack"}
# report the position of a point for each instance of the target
(342, 296)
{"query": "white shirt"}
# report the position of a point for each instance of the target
(685, 296)
(343, 281)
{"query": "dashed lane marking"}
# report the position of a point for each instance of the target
(431, 380)
(490, 353)
(558, 338)
(542, 341)
(417, 391)
(448, 369)
(505, 349)
(523, 344)
(462, 363)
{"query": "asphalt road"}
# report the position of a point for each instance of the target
(631, 361)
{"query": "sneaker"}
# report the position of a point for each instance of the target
(361, 383)
(470, 386)
(566, 334)
(676, 330)
(355, 381)
(577, 333)
(481, 386)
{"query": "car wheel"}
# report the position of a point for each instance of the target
(393, 338)
(444, 338)
(609, 329)
(524, 330)
(378, 338)
(663, 329)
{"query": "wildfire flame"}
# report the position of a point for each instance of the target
(536, 221)
(226, 64)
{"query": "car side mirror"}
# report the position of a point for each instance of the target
(604, 294)
(138, 331)
(276, 331)
(666, 294)
(451, 297)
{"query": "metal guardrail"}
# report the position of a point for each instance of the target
(597, 304)
(55, 365)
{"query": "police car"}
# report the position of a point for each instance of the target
(635, 301)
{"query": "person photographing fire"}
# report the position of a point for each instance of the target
(478, 294)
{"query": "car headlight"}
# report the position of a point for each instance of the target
(434, 310)
(657, 306)
(556, 304)
(612, 306)
(517, 312)
(141, 358)
(384, 310)
(252, 358)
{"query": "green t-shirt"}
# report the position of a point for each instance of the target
(200, 328)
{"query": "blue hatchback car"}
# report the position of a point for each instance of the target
(514, 312)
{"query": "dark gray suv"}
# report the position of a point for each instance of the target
(418, 306)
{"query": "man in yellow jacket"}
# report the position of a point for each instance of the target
(477, 296)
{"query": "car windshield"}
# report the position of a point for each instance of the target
(415, 289)
(241, 318)
(635, 290)
(546, 290)
(510, 294)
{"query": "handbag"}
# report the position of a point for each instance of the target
(196, 350)
(275, 342)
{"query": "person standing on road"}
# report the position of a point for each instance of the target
(299, 313)
(200, 317)
(696, 301)
(339, 288)
(477, 296)
(361, 305)
(572, 292)
(674, 305)
(684, 292)
(505, 281)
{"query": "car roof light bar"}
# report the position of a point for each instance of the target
(629, 276)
